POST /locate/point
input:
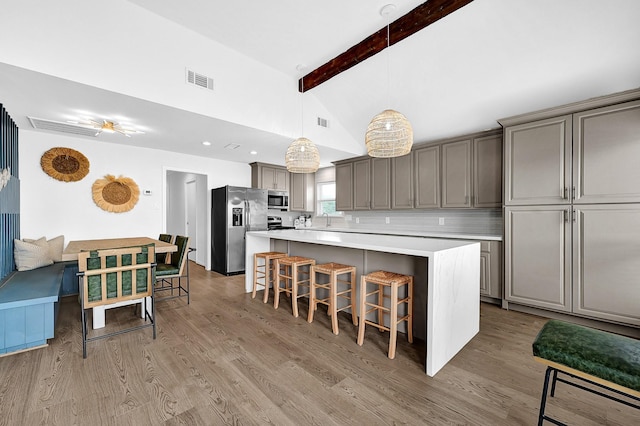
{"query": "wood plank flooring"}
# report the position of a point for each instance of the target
(230, 359)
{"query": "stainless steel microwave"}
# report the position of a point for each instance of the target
(278, 200)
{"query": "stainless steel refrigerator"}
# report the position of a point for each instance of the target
(234, 211)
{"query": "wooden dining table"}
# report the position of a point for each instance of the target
(75, 247)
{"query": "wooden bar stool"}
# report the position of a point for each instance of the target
(393, 281)
(333, 270)
(264, 271)
(291, 270)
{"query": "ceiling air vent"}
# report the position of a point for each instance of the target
(323, 122)
(58, 126)
(200, 80)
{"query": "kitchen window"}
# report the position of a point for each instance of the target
(326, 199)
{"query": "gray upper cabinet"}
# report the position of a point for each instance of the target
(456, 174)
(380, 183)
(606, 154)
(538, 256)
(268, 176)
(487, 171)
(538, 162)
(344, 187)
(301, 192)
(362, 185)
(402, 182)
(426, 166)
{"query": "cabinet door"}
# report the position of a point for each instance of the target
(298, 192)
(381, 183)
(491, 269)
(485, 274)
(606, 153)
(607, 262)
(268, 178)
(538, 256)
(538, 162)
(456, 174)
(487, 171)
(427, 177)
(402, 182)
(281, 179)
(344, 187)
(362, 185)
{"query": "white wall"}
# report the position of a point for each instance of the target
(50, 207)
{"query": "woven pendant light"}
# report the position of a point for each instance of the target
(302, 155)
(389, 133)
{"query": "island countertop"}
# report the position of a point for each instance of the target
(414, 246)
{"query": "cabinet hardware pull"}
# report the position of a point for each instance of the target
(566, 191)
(573, 193)
(573, 215)
(566, 215)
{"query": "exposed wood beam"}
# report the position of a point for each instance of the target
(419, 18)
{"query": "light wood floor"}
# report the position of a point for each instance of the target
(230, 359)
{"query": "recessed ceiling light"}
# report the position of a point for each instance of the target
(206, 143)
(253, 152)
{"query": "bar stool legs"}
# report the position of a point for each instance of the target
(291, 271)
(333, 270)
(264, 271)
(393, 281)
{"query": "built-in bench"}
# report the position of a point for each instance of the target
(29, 307)
(601, 359)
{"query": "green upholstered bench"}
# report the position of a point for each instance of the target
(603, 359)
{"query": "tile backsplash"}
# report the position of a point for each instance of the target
(476, 221)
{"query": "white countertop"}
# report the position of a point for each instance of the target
(424, 234)
(410, 245)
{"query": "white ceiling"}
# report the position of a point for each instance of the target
(488, 60)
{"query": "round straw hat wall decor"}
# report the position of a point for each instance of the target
(65, 164)
(115, 195)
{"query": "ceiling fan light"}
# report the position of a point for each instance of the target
(302, 156)
(389, 134)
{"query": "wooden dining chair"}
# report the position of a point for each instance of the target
(116, 276)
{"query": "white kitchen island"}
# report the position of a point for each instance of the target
(446, 277)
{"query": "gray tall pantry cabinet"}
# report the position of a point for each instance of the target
(572, 208)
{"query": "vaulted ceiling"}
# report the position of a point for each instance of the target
(487, 60)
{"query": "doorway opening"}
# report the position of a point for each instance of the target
(186, 211)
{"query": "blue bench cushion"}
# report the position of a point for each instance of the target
(608, 356)
(29, 287)
(28, 307)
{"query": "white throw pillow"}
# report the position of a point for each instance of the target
(30, 256)
(56, 247)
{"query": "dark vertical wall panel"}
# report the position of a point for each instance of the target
(10, 194)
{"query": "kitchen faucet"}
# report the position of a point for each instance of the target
(328, 219)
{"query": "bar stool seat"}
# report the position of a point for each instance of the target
(333, 270)
(393, 281)
(264, 271)
(293, 271)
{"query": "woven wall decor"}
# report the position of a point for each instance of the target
(115, 194)
(65, 164)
